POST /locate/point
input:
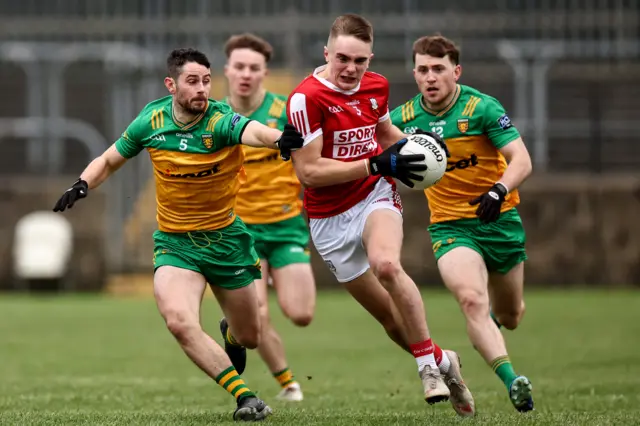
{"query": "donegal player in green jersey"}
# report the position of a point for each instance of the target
(194, 145)
(269, 203)
(477, 235)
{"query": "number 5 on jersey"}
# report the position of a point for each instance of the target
(183, 144)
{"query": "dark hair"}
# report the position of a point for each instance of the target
(437, 46)
(178, 57)
(249, 41)
(352, 25)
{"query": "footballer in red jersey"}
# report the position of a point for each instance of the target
(350, 154)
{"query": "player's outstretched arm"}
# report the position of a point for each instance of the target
(93, 175)
(258, 135)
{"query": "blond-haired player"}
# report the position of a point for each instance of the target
(350, 155)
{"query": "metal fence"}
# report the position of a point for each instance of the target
(75, 72)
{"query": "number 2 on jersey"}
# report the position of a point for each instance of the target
(438, 129)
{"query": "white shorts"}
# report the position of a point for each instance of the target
(338, 239)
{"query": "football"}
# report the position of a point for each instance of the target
(435, 158)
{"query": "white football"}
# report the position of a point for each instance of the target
(435, 158)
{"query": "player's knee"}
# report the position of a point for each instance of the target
(511, 319)
(474, 304)
(181, 326)
(385, 268)
(300, 314)
(301, 318)
(248, 336)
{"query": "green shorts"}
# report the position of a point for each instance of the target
(501, 243)
(226, 257)
(282, 243)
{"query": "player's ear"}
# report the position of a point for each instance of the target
(457, 71)
(326, 54)
(170, 84)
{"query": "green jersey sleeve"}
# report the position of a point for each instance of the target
(130, 143)
(396, 117)
(229, 128)
(497, 124)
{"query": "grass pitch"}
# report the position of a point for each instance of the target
(105, 361)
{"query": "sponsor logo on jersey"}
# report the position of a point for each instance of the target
(207, 140)
(159, 138)
(184, 135)
(505, 122)
(334, 109)
(352, 103)
(438, 123)
(354, 142)
(204, 173)
(271, 157)
(463, 125)
(410, 130)
(463, 164)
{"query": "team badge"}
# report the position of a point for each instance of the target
(207, 140)
(463, 125)
(374, 103)
(273, 123)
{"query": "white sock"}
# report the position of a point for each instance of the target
(425, 360)
(445, 363)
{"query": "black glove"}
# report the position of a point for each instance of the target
(77, 191)
(290, 140)
(490, 203)
(437, 138)
(392, 163)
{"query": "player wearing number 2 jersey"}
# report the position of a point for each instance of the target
(354, 209)
(478, 237)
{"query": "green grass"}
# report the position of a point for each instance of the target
(104, 361)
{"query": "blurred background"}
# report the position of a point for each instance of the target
(74, 73)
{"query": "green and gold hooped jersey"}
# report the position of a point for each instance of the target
(474, 126)
(271, 192)
(197, 166)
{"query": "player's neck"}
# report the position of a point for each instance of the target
(440, 105)
(325, 74)
(181, 115)
(247, 105)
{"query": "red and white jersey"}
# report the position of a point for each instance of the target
(347, 122)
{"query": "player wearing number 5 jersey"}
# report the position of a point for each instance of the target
(354, 209)
(194, 146)
(477, 235)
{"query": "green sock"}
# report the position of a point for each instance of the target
(503, 368)
(284, 377)
(233, 383)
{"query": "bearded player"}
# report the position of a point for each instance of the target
(477, 235)
(269, 203)
(194, 145)
(355, 212)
